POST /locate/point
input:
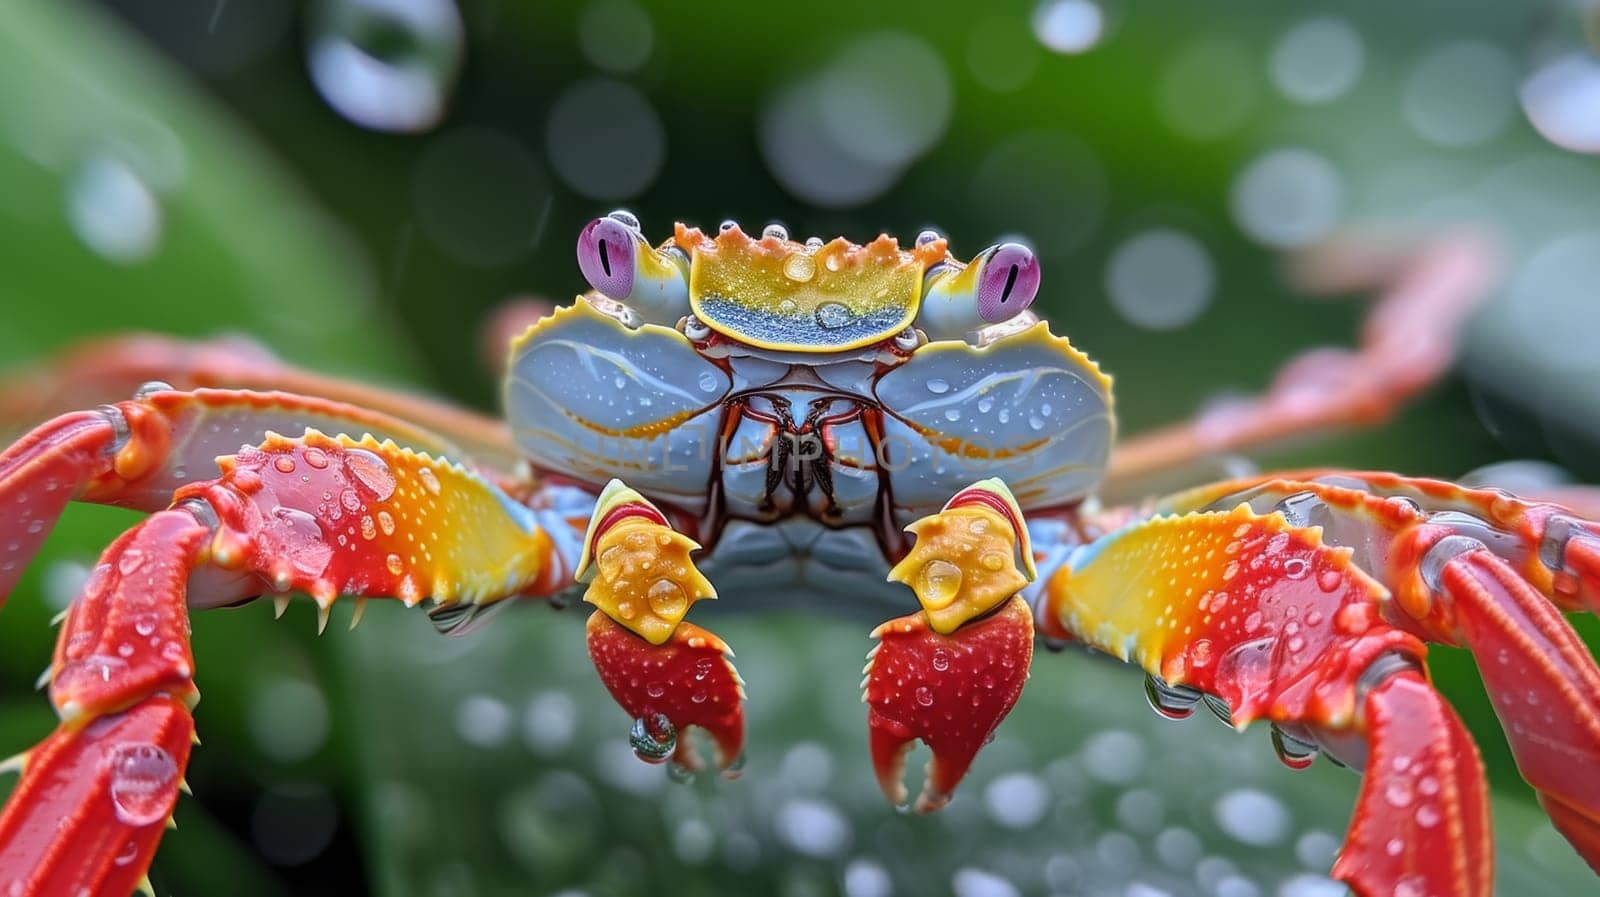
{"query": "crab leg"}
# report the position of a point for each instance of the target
(95, 795)
(1551, 547)
(950, 673)
(665, 673)
(137, 453)
(1281, 626)
(97, 370)
(1489, 572)
(318, 514)
(1408, 341)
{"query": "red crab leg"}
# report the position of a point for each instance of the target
(137, 453)
(948, 674)
(1264, 615)
(95, 796)
(1543, 682)
(1407, 343)
(105, 369)
(328, 516)
(666, 674)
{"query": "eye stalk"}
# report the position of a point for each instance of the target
(996, 286)
(619, 264)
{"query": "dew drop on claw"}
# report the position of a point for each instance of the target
(1292, 752)
(938, 582)
(371, 471)
(429, 480)
(653, 738)
(1171, 701)
(143, 783)
(667, 599)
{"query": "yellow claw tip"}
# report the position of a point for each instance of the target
(172, 824)
(145, 887)
(280, 603)
(322, 619)
(183, 786)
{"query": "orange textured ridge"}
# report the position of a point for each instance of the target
(885, 248)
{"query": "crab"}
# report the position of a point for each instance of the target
(820, 423)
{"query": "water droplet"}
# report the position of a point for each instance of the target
(1398, 794)
(833, 315)
(1035, 422)
(800, 267)
(284, 464)
(386, 66)
(924, 696)
(369, 530)
(350, 500)
(938, 582)
(667, 599)
(394, 564)
(1296, 568)
(145, 624)
(371, 471)
(994, 561)
(143, 783)
(1171, 701)
(952, 414)
(654, 738)
(708, 382)
(1292, 752)
(626, 610)
(130, 562)
(1428, 816)
(430, 481)
(386, 523)
(316, 458)
(938, 386)
(129, 853)
(941, 660)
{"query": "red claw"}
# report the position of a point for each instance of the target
(93, 803)
(688, 680)
(950, 691)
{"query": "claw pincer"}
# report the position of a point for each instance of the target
(948, 674)
(665, 673)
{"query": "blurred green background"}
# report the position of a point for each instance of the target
(359, 183)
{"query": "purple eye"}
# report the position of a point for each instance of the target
(605, 256)
(1009, 281)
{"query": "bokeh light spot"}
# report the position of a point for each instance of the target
(1562, 100)
(1318, 60)
(605, 139)
(615, 35)
(1160, 279)
(1460, 94)
(1209, 89)
(1069, 26)
(478, 195)
(1288, 198)
(113, 211)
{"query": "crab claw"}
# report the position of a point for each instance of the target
(617, 262)
(995, 287)
(667, 674)
(950, 691)
(666, 688)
